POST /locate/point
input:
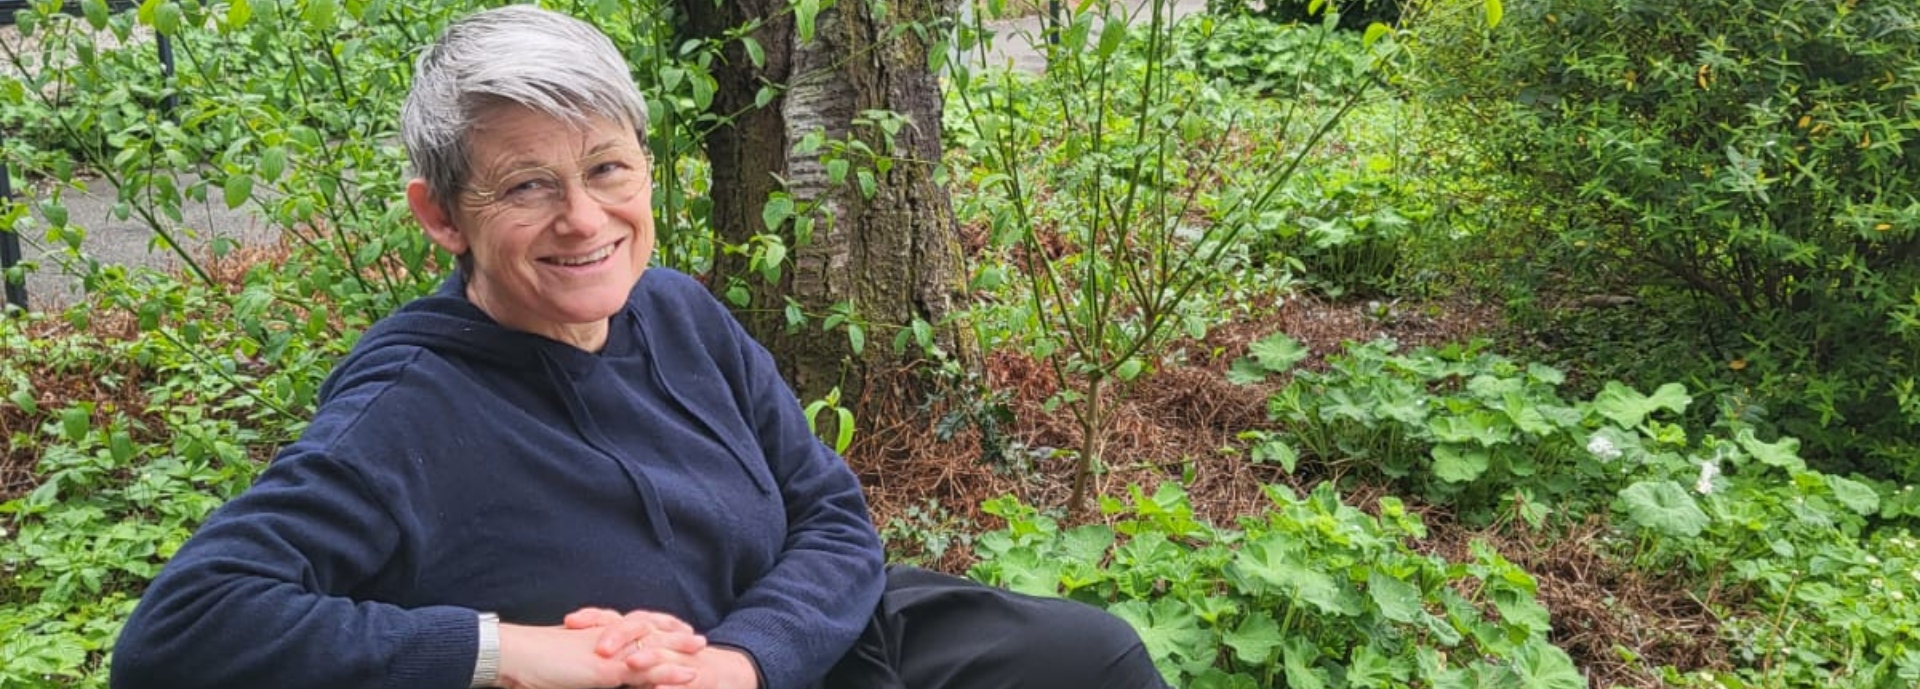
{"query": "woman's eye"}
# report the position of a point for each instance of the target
(529, 189)
(609, 167)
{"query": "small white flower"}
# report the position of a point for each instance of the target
(1603, 448)
(1871, 560)
(1708, 471)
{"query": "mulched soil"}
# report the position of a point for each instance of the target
(1179, 418)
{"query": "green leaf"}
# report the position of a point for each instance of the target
(1375, 32)
(1398, 600)
(1167, 627)
(1110, 39)
(1254, 639)
(1479, 427)
(75, 422)
(321, 15)
(1857, 496)
(703, 89)
(1542, 665)
(96, 12)
(1518, 607)
(1628, 408)
(856, 338)
(1456, 464)
(1495, 12)
(120, 446)
(24, 400)
(1664, 507)
(755, 54)
(1268, 565)
(1784, 454)
(1276, 451)
(1372, 668)
(837, 170)
(804, 12)
(55, 213)
(273, 161)
(776, 212)
(166, 19)
(1245, 371)
(237, 190)
(1277, 352)
(1128, 370)
(1087, 543)
(844, 439)
(239, 12)
(1300, 658)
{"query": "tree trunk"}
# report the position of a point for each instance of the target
(894, 256)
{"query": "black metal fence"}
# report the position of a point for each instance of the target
(16, 292)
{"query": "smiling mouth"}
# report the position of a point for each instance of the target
(588, 259)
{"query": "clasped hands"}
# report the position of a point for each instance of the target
(596, 647)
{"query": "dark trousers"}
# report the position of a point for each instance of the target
(934, 631)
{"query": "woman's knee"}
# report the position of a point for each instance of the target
(1089, 642)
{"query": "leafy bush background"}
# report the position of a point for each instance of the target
(1754, 178)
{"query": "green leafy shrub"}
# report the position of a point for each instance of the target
(1812, 571)
(1272, 58)
(1094, 182)
(1354, 15)
(1457, 425)
(1313, 593)
(119, 488)
(1344, 225)
(1758, 155)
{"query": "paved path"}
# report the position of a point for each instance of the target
(127, 242)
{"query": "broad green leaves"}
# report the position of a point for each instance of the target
(1313, 591)
(1664, 507)
(1628, 408)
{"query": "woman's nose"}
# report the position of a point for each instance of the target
(581, 212)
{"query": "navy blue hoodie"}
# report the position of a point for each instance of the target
(454, 466)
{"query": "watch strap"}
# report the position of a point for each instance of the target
(486, 664)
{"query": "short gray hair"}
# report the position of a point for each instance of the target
(521, 55)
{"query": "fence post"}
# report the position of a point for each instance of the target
(9, 242)
(172, 101)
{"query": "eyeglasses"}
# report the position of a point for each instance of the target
(538, 193)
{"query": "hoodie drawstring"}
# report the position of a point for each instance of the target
(582, 419)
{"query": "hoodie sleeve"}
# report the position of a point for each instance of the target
(257, 598)
(800, 618)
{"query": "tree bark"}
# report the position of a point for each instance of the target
(895, 256)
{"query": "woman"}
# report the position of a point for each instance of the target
(555, 473)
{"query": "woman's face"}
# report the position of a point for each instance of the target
(557, 221)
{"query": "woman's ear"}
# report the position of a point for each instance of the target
(434, 218)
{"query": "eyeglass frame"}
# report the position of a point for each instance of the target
(557, 204)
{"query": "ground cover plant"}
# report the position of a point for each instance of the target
(1332, 464)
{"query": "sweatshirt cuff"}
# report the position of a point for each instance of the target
(438, 649)
(759, 676)
(773, 647)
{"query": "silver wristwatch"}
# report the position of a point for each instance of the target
(486, 666)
